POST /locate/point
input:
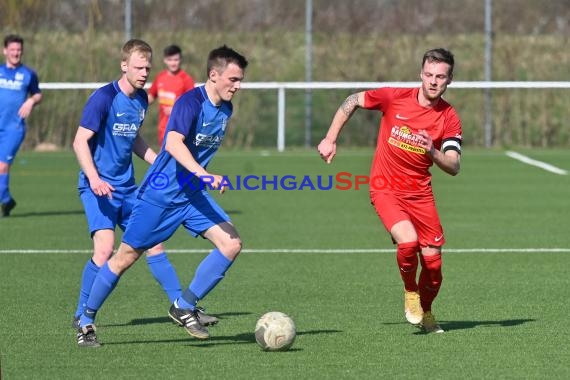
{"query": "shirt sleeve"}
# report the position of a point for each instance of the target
(452, 138)
(189, 83)
(34, 87)
(144, 102)
(378, 99)
(184, 116)
(153, 90)
(96, 110)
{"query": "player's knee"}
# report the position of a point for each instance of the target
(4, 167)
(124, 258)
(432, 263)
(102, 255)
(157, 249)
(404, 232)
(408, 248)
(231, 248)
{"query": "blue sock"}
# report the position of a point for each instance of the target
(89, 272)
(4, 189)
(104, 283)
(165, 275)
(210, 271)
(187, 300)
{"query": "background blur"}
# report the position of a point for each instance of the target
(353, 40)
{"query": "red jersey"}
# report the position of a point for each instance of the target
(167, 88)
(400, 164)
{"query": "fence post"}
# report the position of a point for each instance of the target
(281, 119)
(488, 73)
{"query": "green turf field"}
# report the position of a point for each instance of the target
(320, 256)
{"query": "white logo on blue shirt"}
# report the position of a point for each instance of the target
(208, 141)
(11, 84)
(125, 129)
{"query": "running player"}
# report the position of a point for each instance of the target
(168, 85)
(19, 93)
(418, 128)
(107, 137)
(173, 194)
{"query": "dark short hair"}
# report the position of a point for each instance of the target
(171, 50)
(439, 55)
(220, 58)
(13, 38)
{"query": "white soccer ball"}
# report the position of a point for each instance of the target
(275, 331)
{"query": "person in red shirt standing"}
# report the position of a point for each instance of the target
(418, 128)
(168, 86)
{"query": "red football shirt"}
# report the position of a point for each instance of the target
(167, 88)
(400, 164)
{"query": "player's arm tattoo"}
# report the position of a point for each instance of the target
(350, 104)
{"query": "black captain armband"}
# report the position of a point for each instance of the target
(451, 144)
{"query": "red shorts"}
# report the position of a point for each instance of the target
(418, 209)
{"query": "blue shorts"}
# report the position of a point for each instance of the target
(105, 214)
(10, 141)
(150, 224)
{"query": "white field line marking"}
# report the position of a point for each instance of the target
(538, 164)
(308, 250)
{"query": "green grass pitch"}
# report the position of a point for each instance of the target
(310, 254)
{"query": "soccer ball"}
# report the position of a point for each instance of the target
(275, 331)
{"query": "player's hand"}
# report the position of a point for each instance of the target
(101, 188)
(215, 182)
(327, 150)
(426, 142)
(26, 108)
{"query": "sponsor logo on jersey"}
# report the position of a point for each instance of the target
(11, 84)
(208, 141)
(125, 129)
(403, 138)
(166, 96)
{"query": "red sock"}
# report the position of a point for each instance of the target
(430, 280)
(407, 257)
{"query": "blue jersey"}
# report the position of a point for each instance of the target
(167, 183)
(116, 119)
(15, 86)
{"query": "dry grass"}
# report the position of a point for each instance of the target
(521, 117)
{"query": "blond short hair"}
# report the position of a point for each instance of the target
(133, 46)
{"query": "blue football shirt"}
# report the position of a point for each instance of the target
(116, 119)
(167, 183)
(15, 86)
